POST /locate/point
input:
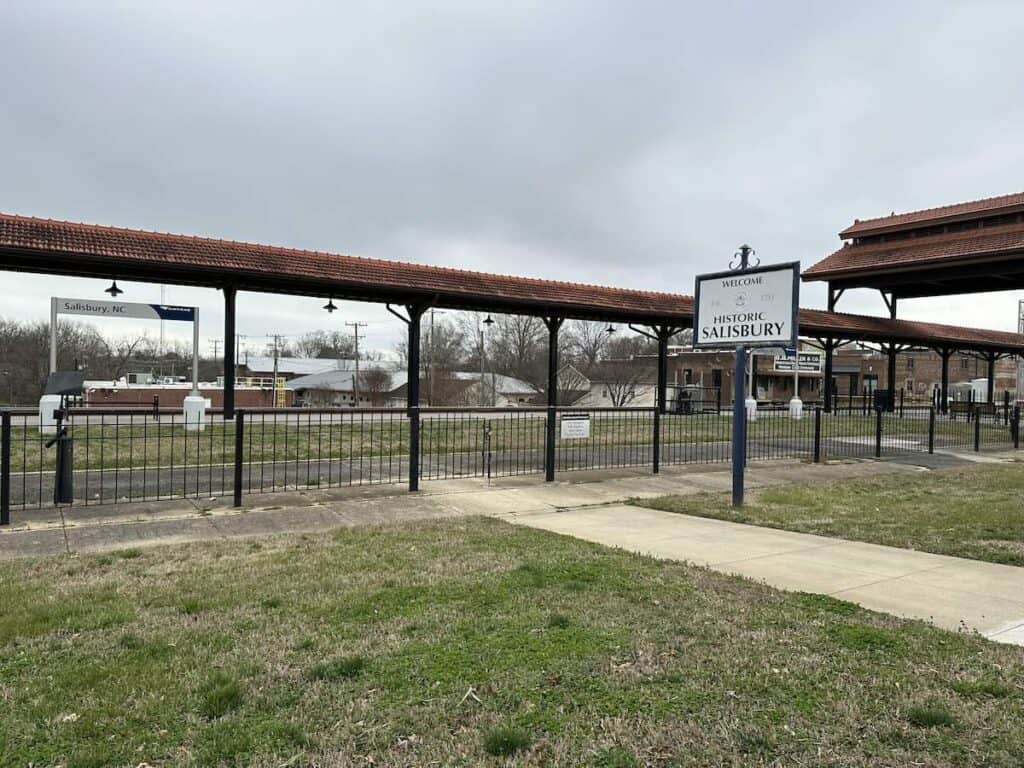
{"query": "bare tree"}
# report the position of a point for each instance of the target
(443, 350)
(585, 342)
(622, 380)
(325, 344)
(516, 348)
(120, 352)
(373, 383)
(572, 385)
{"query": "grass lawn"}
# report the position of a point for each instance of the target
(975, 512)
(473, 642)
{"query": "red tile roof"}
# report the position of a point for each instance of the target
(818, 322)
(973, 208)
(899, 254)
(229, 260)
(60, 247)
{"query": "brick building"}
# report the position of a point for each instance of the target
(107, 394)
(855, 371)
(918, 372)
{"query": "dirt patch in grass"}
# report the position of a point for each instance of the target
(472, 642)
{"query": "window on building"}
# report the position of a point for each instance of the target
(910, 363)
(965, 363)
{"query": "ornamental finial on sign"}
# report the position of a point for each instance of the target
(742, 259)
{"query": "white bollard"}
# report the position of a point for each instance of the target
(47, 405)
(796, 408)
(751, 406)
(195, 413)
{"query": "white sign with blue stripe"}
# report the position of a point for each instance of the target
(134, 310)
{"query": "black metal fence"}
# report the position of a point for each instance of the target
(103, 456)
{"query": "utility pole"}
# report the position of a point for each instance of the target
(355, 381)
(215, 343)
(163, 302)
(430, 359)
(277, 353)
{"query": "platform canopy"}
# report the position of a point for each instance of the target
(65, 248)
(970, 247)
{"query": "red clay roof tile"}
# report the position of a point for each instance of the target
(48, 239)
(861, 257)
(987, 206)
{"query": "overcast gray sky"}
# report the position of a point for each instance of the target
(631, 143)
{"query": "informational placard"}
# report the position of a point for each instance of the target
(804, 362)
(135, 310)
(575, 426)
(748, 308)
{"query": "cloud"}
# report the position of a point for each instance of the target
(628, 144)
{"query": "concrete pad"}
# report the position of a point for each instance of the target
(794, 571)
(107, 537)
(938, 605)
(1014, 635)
(147, 510)
(496, 502)
(977, 578)
(881, 561)
(276, 500)
(39, 543)
(264, 522)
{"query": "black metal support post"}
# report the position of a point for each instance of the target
(663, 336)
(230, 353)
(945, 353)
(890, 375)
(239, 447)
(931, 429)
(977, 429)
(990, 359)
(415, 312)
(5, 469)
(878, 432)
(829, 345)
(1016, 427)
(817, 435)
(553, 324)
(656, 450)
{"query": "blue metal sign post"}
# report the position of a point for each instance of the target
(748, 306)
(739, 427)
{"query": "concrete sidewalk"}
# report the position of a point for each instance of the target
(53, 531)
(948, 591)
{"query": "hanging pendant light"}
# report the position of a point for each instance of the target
(113, 290)
(330, 305)
(610, 330)
(488, 321)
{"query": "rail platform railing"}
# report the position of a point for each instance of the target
(113, 455)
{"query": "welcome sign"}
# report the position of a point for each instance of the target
(750, 308)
